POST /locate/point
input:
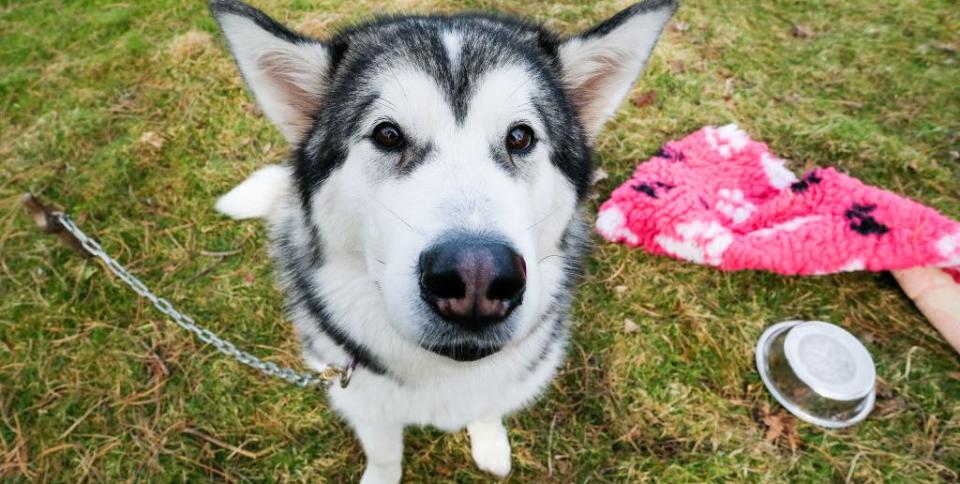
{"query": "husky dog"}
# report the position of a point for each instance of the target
(428, 227)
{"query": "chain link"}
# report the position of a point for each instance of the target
(302, 379)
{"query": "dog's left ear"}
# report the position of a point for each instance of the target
(601, 64)
(285, 70)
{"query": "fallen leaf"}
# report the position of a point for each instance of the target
(892, 405)
(248, 278)
(629, 326)
(444, 470)
(953, 375)
(620, 289)
(152, 139)
(598, 176)
(884, 391)
(772, 423)
(801, 31)
(779, 427)
(681, 27)
(267, 147)
(644, 99)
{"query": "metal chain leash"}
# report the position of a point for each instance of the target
(302, 379)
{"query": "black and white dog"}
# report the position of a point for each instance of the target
(429, 226)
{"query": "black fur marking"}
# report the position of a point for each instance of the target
(303, 294)
(226, 7)
(617, 20)
(862, 222)
(558, 335)
(312, 303)
(316, 247)
(575, 244)
(502, 158)
(416, 155)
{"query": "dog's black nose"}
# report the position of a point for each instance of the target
(472, 282)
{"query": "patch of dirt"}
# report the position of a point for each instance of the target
(644, 99)
(801, 31)
(190, 45)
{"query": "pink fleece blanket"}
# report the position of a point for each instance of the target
(717, 197)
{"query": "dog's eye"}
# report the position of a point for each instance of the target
(519, 138)
(387, 136)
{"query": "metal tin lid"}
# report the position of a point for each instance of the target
(830, 360)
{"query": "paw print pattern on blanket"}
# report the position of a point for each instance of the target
(718, 197)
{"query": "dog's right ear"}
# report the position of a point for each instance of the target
(285, 70)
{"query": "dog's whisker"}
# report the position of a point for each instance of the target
(544, 218)
(522, 84)
(391, 212)
(553, 255)
(364, 254)
(399, 84)
(387, 104)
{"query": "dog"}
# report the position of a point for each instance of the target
(429, 227)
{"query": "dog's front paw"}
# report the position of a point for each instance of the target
(490, 447)
(374, 474)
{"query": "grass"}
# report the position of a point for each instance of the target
(95, 385)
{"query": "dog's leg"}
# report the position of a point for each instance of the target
(490, 446)
(383, 444)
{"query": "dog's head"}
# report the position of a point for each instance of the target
(445, 157)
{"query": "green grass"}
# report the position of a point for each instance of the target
(96, 385)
